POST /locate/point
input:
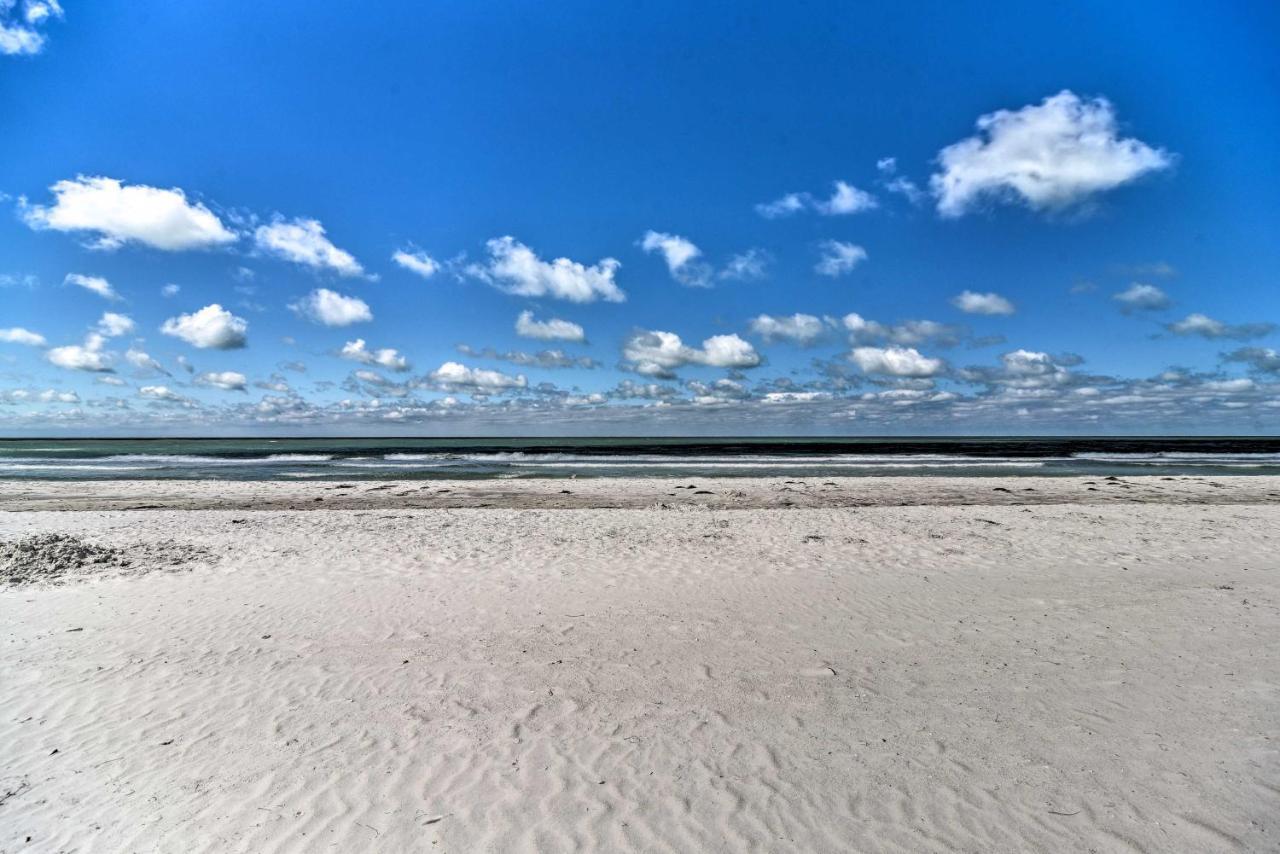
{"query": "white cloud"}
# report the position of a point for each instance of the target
(791, 203)
(143, 362)
(18, 335)
(681, 257)
(1140, 297)
(838, 258)
(516, 269)
(53, 396)
(387, 357)
(745, 266)
(225, 380)
(658, 353)
(803, 329)
(416, 261)
(458, 375)
(119, 214)
(1049, 156)
(170, 290)
(211, 327)
(971, 302)
(548, 330)
(330, 308)
(114, 325)
(1206, 327)
(96, 284)
(895, 361)
(845, 199)
(162, 393)
(19, 40)
(86, 357)
(303, 241)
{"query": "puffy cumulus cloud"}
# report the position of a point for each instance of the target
(119, 213)
(212, 327)
(658, 353)
(548, 330)
(94, 284)
(837, 258)
(845, 199)
(1262, 359)
(1206, 327)
(18, 335)
(678, 252)
(628, 390)
(90, 356)
(898, 184)
(113, 325)
(50, 395)
(276, 383)
(541, 359)
(1049, 156)
(225, 380)
(895, 362)
(1140, 297)
(416, 261)
(455, 375)
(330, 308)
(303, 241)
(971, 302)
(387, 357)
(516, 269)
(803, 329)
(162, 394)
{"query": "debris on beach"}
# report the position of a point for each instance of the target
(58, 558)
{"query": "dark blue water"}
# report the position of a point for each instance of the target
(398, 458)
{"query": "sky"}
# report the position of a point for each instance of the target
(513, 218)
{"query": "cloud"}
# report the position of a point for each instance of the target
(838, 258)
(802, 329)
(143, 361)
(1140, 297)
(516, 269)
(1262, 359)
(658, 354)
(329, 308)
(1207, 327)
(225, 380)
(908, 333)
(170, 290)
(745, 266)
(20, 38)
(114, 325)
(548, 330)
(161, 393)
(845, 199)
(120, 214)
(540, 359)
(971, 302)
(416, 261)
(303, 241)
(1049, 156)
(895, 361)
(683, 261)
(18, 335)
(387, 357)
(87, 357)
(455, 375)
(212, 327)
(96, 284)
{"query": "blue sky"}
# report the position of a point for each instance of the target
(819, 219)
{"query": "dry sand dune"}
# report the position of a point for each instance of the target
(965, 676)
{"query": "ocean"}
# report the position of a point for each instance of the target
(400, 458)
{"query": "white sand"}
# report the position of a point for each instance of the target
(967, 672)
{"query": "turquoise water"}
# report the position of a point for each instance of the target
(399, 458)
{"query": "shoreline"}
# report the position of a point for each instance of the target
(633, 493)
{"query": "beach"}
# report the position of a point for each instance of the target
(649, 664)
